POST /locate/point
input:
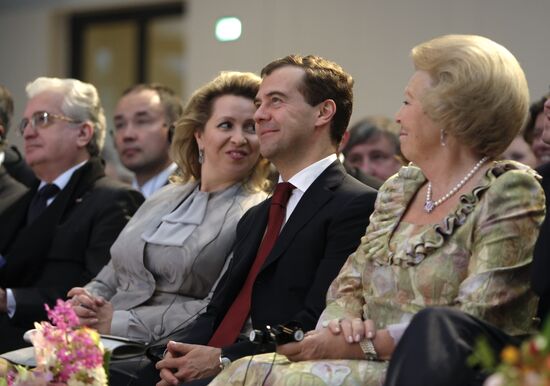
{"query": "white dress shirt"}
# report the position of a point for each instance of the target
(303, 180)
(156, 182)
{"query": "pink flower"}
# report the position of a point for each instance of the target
(65, 352)
(62, 315)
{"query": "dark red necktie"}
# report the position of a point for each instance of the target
(233, 321)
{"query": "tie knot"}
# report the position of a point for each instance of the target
(282, 193)
(48, 191)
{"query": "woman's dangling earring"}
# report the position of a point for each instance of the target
(201, 156)
(442, 138)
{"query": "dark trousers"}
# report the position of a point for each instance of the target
(11, 337)
(141, 371)
(434, 349)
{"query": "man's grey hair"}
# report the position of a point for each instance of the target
(80, 102)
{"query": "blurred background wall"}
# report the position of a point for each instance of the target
(114, 43)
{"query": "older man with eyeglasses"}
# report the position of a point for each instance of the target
(142, 121)
(58, 234)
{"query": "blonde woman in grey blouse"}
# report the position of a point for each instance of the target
(168, 257)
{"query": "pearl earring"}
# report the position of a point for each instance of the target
(201, 156)
(442, 138)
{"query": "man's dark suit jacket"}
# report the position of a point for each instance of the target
(540, 279)
(10, 189)
(65, 246)
(322, 231)
(371, 181)
(17, 167)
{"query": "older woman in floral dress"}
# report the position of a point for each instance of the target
(454, 229)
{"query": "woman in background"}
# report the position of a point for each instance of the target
(455, 229)
(167, 259)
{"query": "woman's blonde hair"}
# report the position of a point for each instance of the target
(184, 149)
(479, 92)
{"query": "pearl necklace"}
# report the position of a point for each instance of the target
(430, 205)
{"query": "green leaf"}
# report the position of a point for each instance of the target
(483, 355)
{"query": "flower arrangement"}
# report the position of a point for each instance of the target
(66, 354)
(526, 365)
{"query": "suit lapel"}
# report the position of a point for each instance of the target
(14, 219)
(251, 236)
(41, 231)
(313, 200)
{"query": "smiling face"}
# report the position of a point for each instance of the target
(229, 142)
(141, 133)
(285, 122)
(53, 149)
(419, 134)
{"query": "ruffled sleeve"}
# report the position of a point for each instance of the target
(493, 230)
(507, 226)
(344, 297)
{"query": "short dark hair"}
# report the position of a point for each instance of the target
(171, 102)
(535, 109)
(371, 128)
(322, 80)
(6, 110)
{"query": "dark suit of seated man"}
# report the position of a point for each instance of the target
(50, 244)
(304, 105)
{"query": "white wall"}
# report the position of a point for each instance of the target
(371, 39)
(34, 42)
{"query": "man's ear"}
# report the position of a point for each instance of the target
(327, 109)
(85, 134)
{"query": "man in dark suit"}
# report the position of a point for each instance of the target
(304, 105)
(58, 234)
(10, 188)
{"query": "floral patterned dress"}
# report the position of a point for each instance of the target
(476, 260)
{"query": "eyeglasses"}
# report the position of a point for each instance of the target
(42, 119)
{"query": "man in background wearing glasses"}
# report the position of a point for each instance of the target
(58, 234)
(142, 121)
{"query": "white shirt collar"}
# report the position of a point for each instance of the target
(63, 179)
(303, 180)
(156, 182)
(2, 157)
(305, 177)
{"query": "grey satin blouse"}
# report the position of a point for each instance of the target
(167, 258)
